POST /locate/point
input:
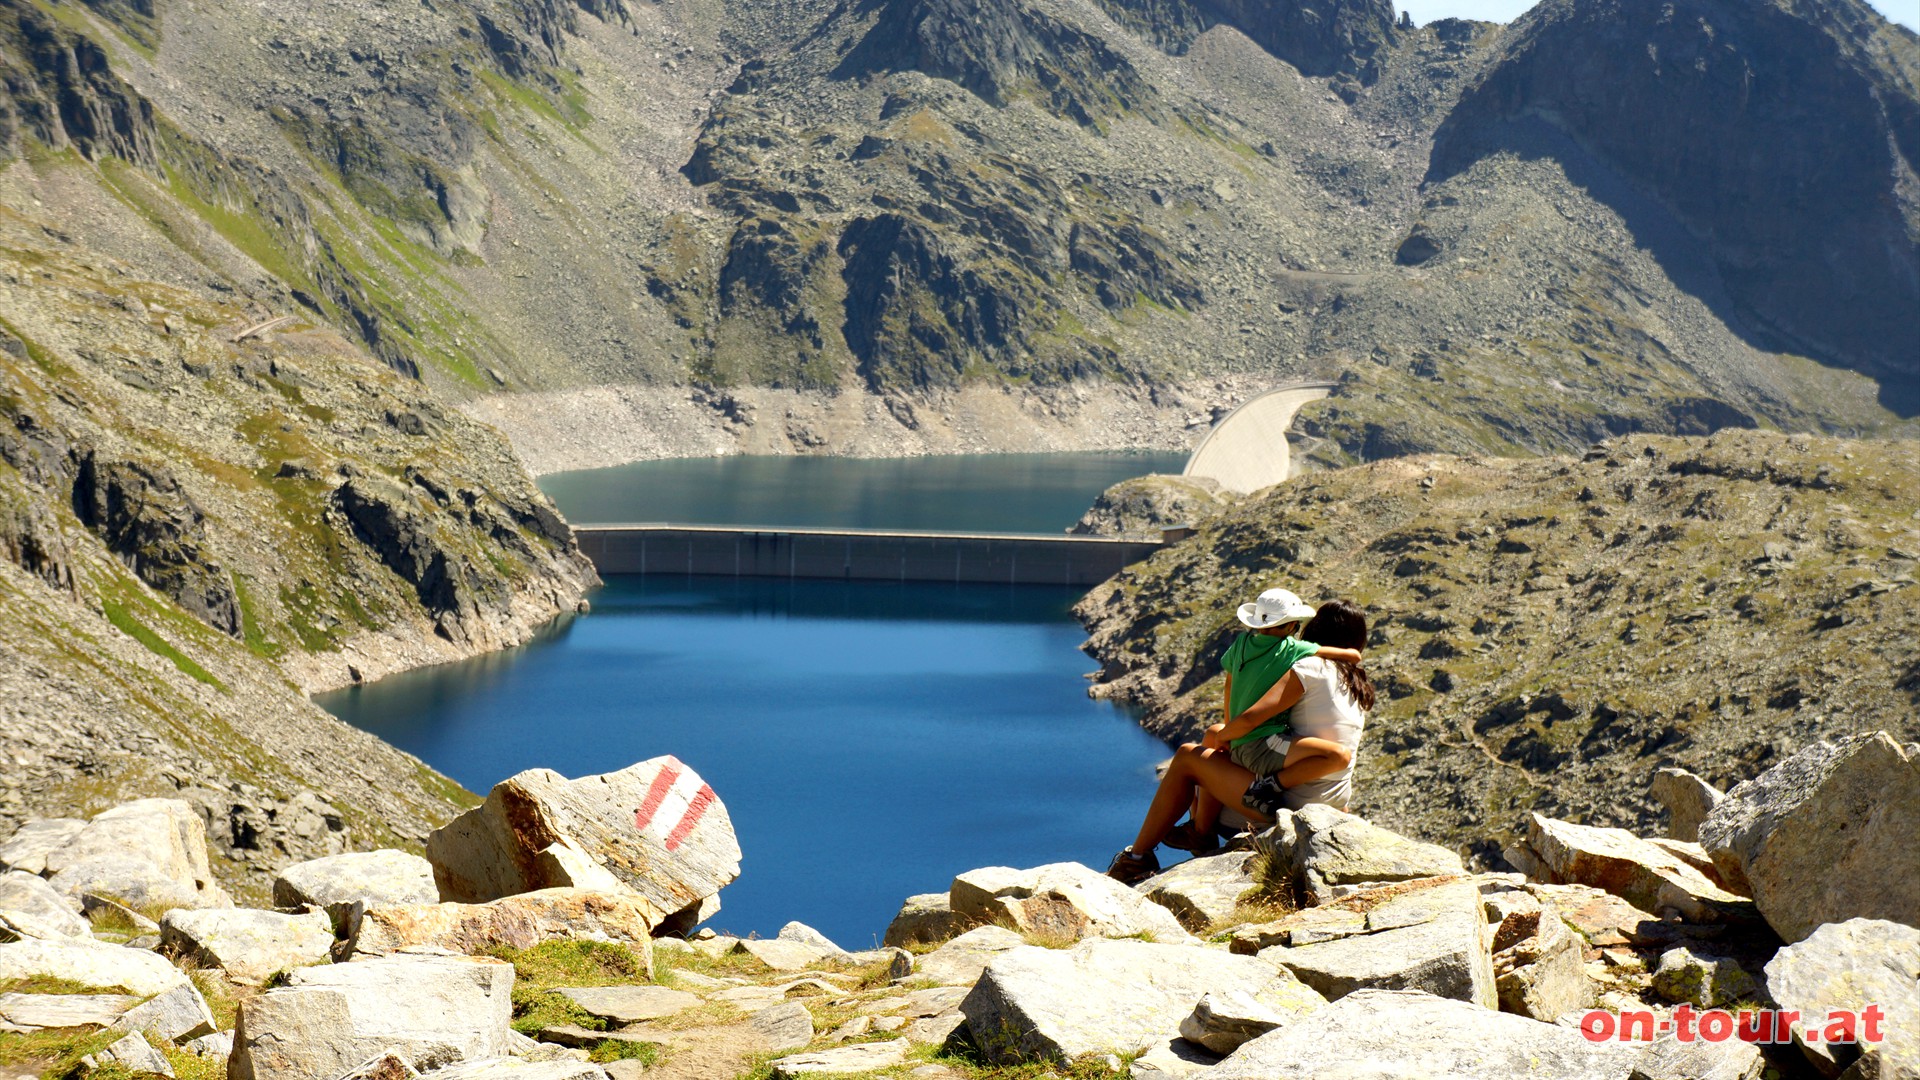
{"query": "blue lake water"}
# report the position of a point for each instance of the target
(1043, 493)
(870, 740)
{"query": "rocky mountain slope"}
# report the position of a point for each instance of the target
(868, 225)
(203, 516)
(1545, 630)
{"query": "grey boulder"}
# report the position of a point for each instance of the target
(1103, 996)
(34, 1012)
(29, 907)
(786, 1026)
(1062, 901)
(1539, 964)
(1327, 847)
(1688, 800)
(1850, 966)
(178, 1015)
(1825, 836)
(1667, 1058)
(1224, 1022)
(1394, 1034)
(245, 945)
(1702, 979)
(842, 1060)
(509, 1068)
(90, 963)
(132, 1052)
(1204, 891)
(434, 1011)
(959, 962)
(373, 878)
(146, 853)
(26, 850)
(1432, 938)
(629, 1004)
(924, 919)
(654, 828)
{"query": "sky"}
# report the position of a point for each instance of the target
(1905, 12)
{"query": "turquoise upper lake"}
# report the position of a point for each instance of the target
(1042, 493)
(870, 739)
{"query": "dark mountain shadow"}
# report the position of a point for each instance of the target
(1755, 152)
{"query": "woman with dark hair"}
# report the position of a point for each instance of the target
(1330, 700)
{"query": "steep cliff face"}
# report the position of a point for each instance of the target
(1546, 630)
(1785, 137)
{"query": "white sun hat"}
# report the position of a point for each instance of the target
(1275, 606)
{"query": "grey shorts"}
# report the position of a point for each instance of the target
(1262, 757)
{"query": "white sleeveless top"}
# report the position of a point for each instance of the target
(1326, 711)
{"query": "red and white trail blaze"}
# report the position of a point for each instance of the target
(668, 799)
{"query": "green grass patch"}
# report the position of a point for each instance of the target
(123, 619)
(575, 963)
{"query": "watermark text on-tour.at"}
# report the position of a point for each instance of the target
(1864, 1025)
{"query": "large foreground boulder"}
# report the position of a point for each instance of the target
(1825, 836)
(1063, 901)
(1101, 996)
(245, 945)
(1428, 937)
(655, 828)
(29, 907)
(150, 853)
(1647, 875)
(431, 1011)
(373, 878)
(1849, 966)
(1394, 1034)
(516, 922)
(90, 963)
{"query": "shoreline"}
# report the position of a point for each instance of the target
(604, 426)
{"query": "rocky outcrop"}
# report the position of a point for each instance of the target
(1821, 837)
(1486, 561)
(326, 1020)
(142, 514)
(959, 962)
(1140, 508)
(654, 828)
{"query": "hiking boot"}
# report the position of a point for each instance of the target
(1184, 837)
(1130, 868)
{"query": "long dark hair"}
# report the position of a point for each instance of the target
(1343, 625)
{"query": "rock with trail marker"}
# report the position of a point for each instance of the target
(654, 828)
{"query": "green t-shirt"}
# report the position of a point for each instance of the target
(1256, 662)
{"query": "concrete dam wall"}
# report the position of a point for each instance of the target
(858, 554)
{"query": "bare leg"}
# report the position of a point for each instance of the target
(1193, 769)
